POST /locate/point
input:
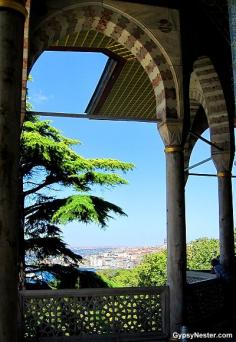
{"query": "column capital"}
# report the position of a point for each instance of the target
(14, 5)
(223, 162)
(171, 132)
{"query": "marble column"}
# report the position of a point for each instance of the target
(171, 134)
(226, 224)
(223, 163)
(176, 234)
(12, 16)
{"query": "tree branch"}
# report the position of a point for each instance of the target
(49, 180)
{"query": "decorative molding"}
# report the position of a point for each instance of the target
(224, 174)
(172, 149)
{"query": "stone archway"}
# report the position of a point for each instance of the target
(110, 29)
(213, 101)
(206, 91)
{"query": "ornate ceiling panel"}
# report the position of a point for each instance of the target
(128, 94)
(130, 97)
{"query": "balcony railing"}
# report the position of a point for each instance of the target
(121, 314)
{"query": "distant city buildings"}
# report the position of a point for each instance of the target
(107, 258)
(115, 258)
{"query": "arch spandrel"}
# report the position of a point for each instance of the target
(65, 25)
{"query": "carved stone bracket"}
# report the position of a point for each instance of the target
(171, 132)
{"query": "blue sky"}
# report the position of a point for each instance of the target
(64, 82)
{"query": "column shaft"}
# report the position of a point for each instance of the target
(11, 45)
(226, 225)
(176, 237)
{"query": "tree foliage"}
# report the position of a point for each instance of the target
(120, 277)
(57, 189)
(200, 253)
(152, 271)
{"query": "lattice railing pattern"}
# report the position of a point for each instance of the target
(95, 312)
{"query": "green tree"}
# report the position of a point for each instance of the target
(57, 189)
(200, 252)
(120, 277)
(152, 270)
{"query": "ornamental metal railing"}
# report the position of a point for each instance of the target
(120, 314)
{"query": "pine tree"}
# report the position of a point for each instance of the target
(57, 185)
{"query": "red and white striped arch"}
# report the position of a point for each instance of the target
(206, 91)
(126, 31)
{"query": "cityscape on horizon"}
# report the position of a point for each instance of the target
(100, 258)
(116, 246)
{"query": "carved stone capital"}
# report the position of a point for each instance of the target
(223, 161)
(171, 132)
